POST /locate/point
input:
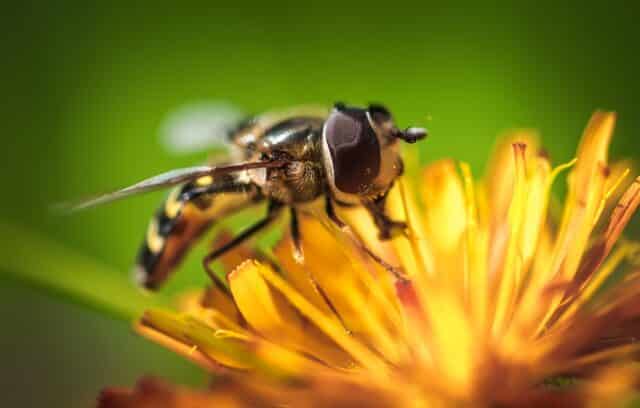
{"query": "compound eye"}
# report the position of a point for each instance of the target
(354, 149)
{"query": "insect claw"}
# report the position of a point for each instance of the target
(392, 230)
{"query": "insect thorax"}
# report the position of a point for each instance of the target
(295, 140)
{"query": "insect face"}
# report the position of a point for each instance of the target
(354, 149)
(361, 150)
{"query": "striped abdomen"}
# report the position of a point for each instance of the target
(181, 220)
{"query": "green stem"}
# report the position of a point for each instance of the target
(33, 259)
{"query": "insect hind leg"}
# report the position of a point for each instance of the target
(272, 213)
(296, 237)
(185, 215)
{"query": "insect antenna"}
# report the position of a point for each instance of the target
(411, 134)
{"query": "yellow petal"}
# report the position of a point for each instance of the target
(418, 262)
(476, 250)
(188, 351)
(613, 386)
(339, 286)
(327, 325)
(584, 201)
(589, 272)
(535, 211)
(214, 307)
(269, 313)
(452, 339)
(214, 298)
(197, 336)
(414, 250)
(500, 178)
(586, 190)
(623, 212)
(443, 195)
(231, 259)
(360, 220)
(534, 300)
(509, 274)
(592, 152)
(446, 221)
(214, 349)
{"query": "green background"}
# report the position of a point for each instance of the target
(86, 87)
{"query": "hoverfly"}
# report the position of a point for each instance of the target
(346, 156)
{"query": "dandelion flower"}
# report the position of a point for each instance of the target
(503, 303)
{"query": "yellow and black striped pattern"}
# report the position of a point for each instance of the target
(177, 224)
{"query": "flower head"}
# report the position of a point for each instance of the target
(502, 301)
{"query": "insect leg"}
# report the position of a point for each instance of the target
(272, 213)
(185, 215)
(297, 247)
(387, 228)
(298, 253)
(331, 213)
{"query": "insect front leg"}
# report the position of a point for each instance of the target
(387, 227)
(273, 211)
(335, 219)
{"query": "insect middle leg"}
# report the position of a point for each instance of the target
(333, 217)
(273, 211)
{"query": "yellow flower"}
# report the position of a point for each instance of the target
(500, 304)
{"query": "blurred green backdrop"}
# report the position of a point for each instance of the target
(86, 87)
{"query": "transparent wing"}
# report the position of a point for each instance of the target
(200, 126)
(269, 118)
(163, 180)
